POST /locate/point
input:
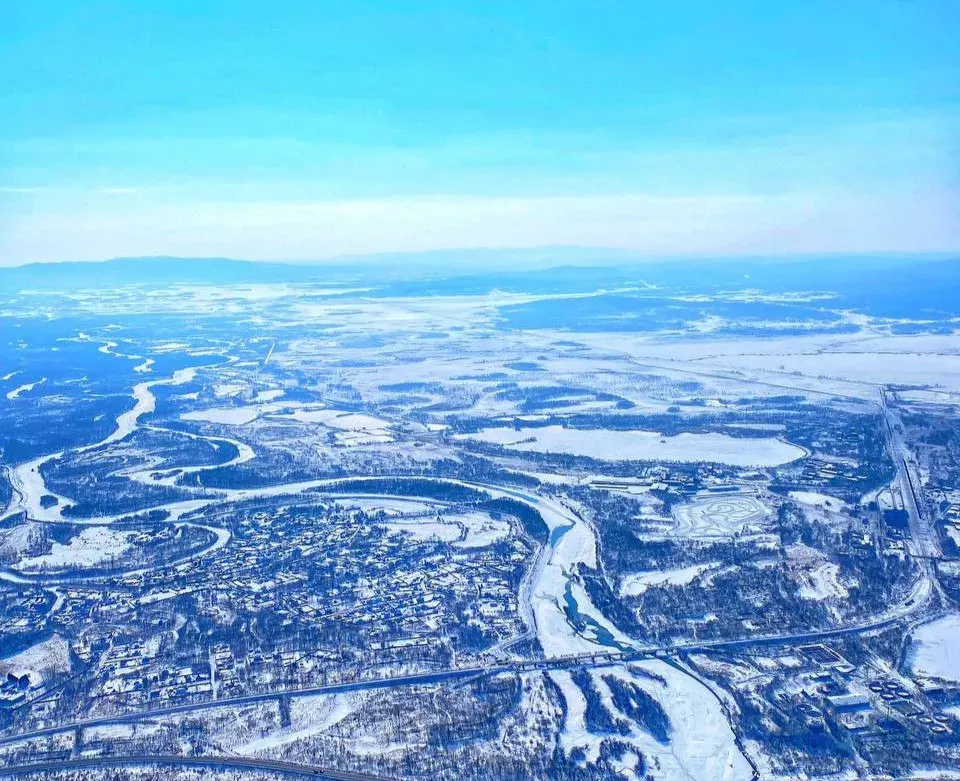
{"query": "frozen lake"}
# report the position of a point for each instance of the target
(609, 445)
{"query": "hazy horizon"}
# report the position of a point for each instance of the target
(530, 258)
(307, 132)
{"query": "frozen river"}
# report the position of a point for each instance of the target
(553, 601)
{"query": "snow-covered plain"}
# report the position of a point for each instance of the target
(94, 545)
(227, 416)
(425, 530)
(39, 661)
(309, 717)
(17, 392)
(815, 499)
(608, 445)
(634, 585)
(353, 428)
(350, 428)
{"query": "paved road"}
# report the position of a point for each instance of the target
(922, 533)
(915, 601)
(221, 763)
(247, 699)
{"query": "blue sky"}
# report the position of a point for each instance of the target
(304, 130)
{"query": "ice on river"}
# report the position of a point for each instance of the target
(935, 652)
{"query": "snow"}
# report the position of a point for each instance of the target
(611, 445)
(851, 363)
(21, 538)
(25, 388)
(443, 532)
(954, 533)
(482, 530)
(815, 499)
(939, 370)
(163, 595)
(228, 416)
(309, 717)
(719, 516)
(575, 733)
(357, 428)
(634, 585)
(476, 528)
(823, 582)
(935, 652)
(28, 484)
(94, 545)
(144, 403)
(819, 578)
(701, 744)
(269, 395)
(372, 746)
(351, 428)
(223, 390)
(39, 661)
(392, 506)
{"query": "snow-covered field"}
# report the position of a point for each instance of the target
(39, 661)
(93, 546)
(350, 428)
(464, 530)
(936, 370)
(226, 416)
(815, 499)
(392, 506)
(353, 428)
(634, 585)
(425, 530)
(309, 717)
(268, 395)
(935, 652)
(227, 389)
(822, 582)
(481, 529)
(607, 445)
(719, 516)
(25, 388)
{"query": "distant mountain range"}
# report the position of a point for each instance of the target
(896, 286)
(380, 267)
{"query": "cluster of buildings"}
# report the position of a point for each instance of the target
(315, 576)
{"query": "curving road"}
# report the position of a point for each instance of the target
(542, 593)
(919, 597)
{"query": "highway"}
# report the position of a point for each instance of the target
(917, 599)
(219, 763)
(923, 535)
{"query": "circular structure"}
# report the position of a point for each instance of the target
(720, 517)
